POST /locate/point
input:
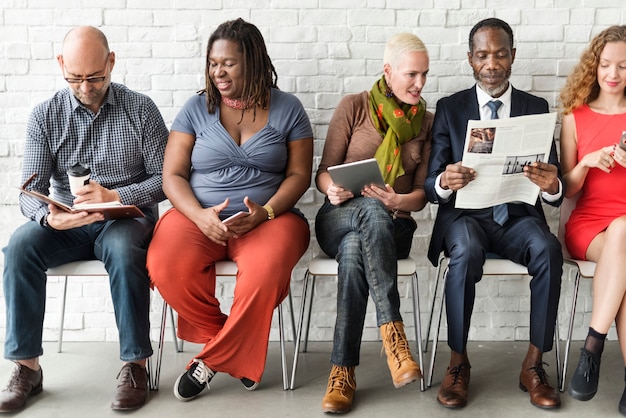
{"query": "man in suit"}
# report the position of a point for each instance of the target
(466, 236)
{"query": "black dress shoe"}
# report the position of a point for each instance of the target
(132, 390)
(24, 383)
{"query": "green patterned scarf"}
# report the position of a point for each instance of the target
(397, 123)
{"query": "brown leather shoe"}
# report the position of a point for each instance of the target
(534, 380)
(453, 389)
(23, 384)
(132, 390)
(340, 390)
(403, 368)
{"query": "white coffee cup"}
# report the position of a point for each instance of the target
(78, 176)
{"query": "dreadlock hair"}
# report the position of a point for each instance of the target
(582, 85)
(259, 72)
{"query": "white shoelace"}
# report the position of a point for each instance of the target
(202, 373)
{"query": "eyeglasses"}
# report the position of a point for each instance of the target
(90, 80)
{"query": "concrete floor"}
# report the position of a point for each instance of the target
(80, 382)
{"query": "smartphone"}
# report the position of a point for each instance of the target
(622, 141)
(240, 214)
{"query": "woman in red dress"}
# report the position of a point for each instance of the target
(594, 167)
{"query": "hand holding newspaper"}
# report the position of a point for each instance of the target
(498, 149)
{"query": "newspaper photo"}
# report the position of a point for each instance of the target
(498, 149)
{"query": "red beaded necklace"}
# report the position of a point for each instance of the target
(237, 104)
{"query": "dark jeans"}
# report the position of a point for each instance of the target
(120, 244)
(362, 236)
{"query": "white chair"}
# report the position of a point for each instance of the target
(222, 269)
(81, 268)
(584, 269)
(492, 267)
(322, 266)
(92, 268)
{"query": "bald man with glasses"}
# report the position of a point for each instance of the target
(120, 135)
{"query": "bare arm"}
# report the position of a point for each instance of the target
(297, 176)
(574, 171)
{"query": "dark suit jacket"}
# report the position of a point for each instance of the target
(449, 130)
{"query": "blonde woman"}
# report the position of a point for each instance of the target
(368, 232)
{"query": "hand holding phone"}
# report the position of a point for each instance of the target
(240, 214)
(622, 141)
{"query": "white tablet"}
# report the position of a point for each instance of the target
(354, 176)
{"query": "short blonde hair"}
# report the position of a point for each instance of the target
(400, 44)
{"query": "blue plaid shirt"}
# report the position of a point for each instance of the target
(123, 144)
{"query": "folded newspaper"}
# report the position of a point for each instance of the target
(498, 149)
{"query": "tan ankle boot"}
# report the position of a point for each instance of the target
(403, 368)
(340, 390)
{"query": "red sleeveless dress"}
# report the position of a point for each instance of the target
(603, 196)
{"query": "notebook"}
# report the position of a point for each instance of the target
(354, 176)
(111, 210)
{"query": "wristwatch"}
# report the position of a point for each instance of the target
(44, 222)
(270, 212)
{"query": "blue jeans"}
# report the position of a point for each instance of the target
(362, 236)
(121, 244)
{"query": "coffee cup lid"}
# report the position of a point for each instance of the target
(79, 170)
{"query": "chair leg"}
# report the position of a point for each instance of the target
(179, 348)
(417, 318)
(293, 321)
(557, 349)
(308, 319)
(62, 316)
(155, 377)
(570, 328)
(283, 356)
(432, 305)
(436, 334)
(305, 285)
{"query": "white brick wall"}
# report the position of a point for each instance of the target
(322, 49)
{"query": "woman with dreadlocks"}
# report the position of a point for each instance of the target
(240, 145)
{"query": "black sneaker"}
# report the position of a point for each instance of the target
(584, 384)
(622, 403)
(249, 384)
(191, 383)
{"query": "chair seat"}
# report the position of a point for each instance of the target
(503, 267)
(587, 268)
(325, 266)
(79, 268)
(226, 268)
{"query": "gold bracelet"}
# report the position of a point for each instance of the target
(270, 212)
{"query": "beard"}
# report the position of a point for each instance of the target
(93, 97)
(494, 91)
